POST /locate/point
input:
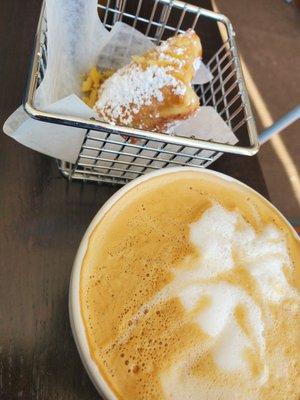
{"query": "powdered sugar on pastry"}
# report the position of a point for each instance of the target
(155, 89)
(131, 87)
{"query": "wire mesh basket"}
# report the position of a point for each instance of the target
(108, 153)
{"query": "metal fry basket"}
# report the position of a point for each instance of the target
(108, 153)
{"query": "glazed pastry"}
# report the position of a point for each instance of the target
(154, 91)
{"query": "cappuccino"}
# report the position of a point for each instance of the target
(189, 289)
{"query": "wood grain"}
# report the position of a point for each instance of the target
(42, 219)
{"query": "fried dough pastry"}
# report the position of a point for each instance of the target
(154, 91)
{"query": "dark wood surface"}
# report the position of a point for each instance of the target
(42, 219)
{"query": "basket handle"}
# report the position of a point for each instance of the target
(281, 124)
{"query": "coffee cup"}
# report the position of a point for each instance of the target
(256, 357)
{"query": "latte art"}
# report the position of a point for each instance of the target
(188, 294)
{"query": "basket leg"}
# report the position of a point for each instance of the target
(73, 167)
(281, 124)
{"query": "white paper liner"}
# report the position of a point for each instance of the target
(76, 41)
(124, 42)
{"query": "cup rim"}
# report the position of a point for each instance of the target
(76, 321)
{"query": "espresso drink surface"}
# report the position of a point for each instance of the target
(190, 290)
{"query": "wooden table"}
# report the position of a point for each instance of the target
(42, 219)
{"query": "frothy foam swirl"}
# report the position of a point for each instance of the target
(227, 290)
(225, 240)
(226, 313)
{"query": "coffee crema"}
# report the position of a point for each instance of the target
(189, 289)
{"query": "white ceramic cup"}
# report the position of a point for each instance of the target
(76, 320)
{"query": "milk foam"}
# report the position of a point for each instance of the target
(194, 301)
(225, 240)
(264, 255)
(213, 235)
(218, 321)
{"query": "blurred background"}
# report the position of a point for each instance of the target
(268, 36)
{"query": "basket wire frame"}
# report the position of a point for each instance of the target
(120, 154)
